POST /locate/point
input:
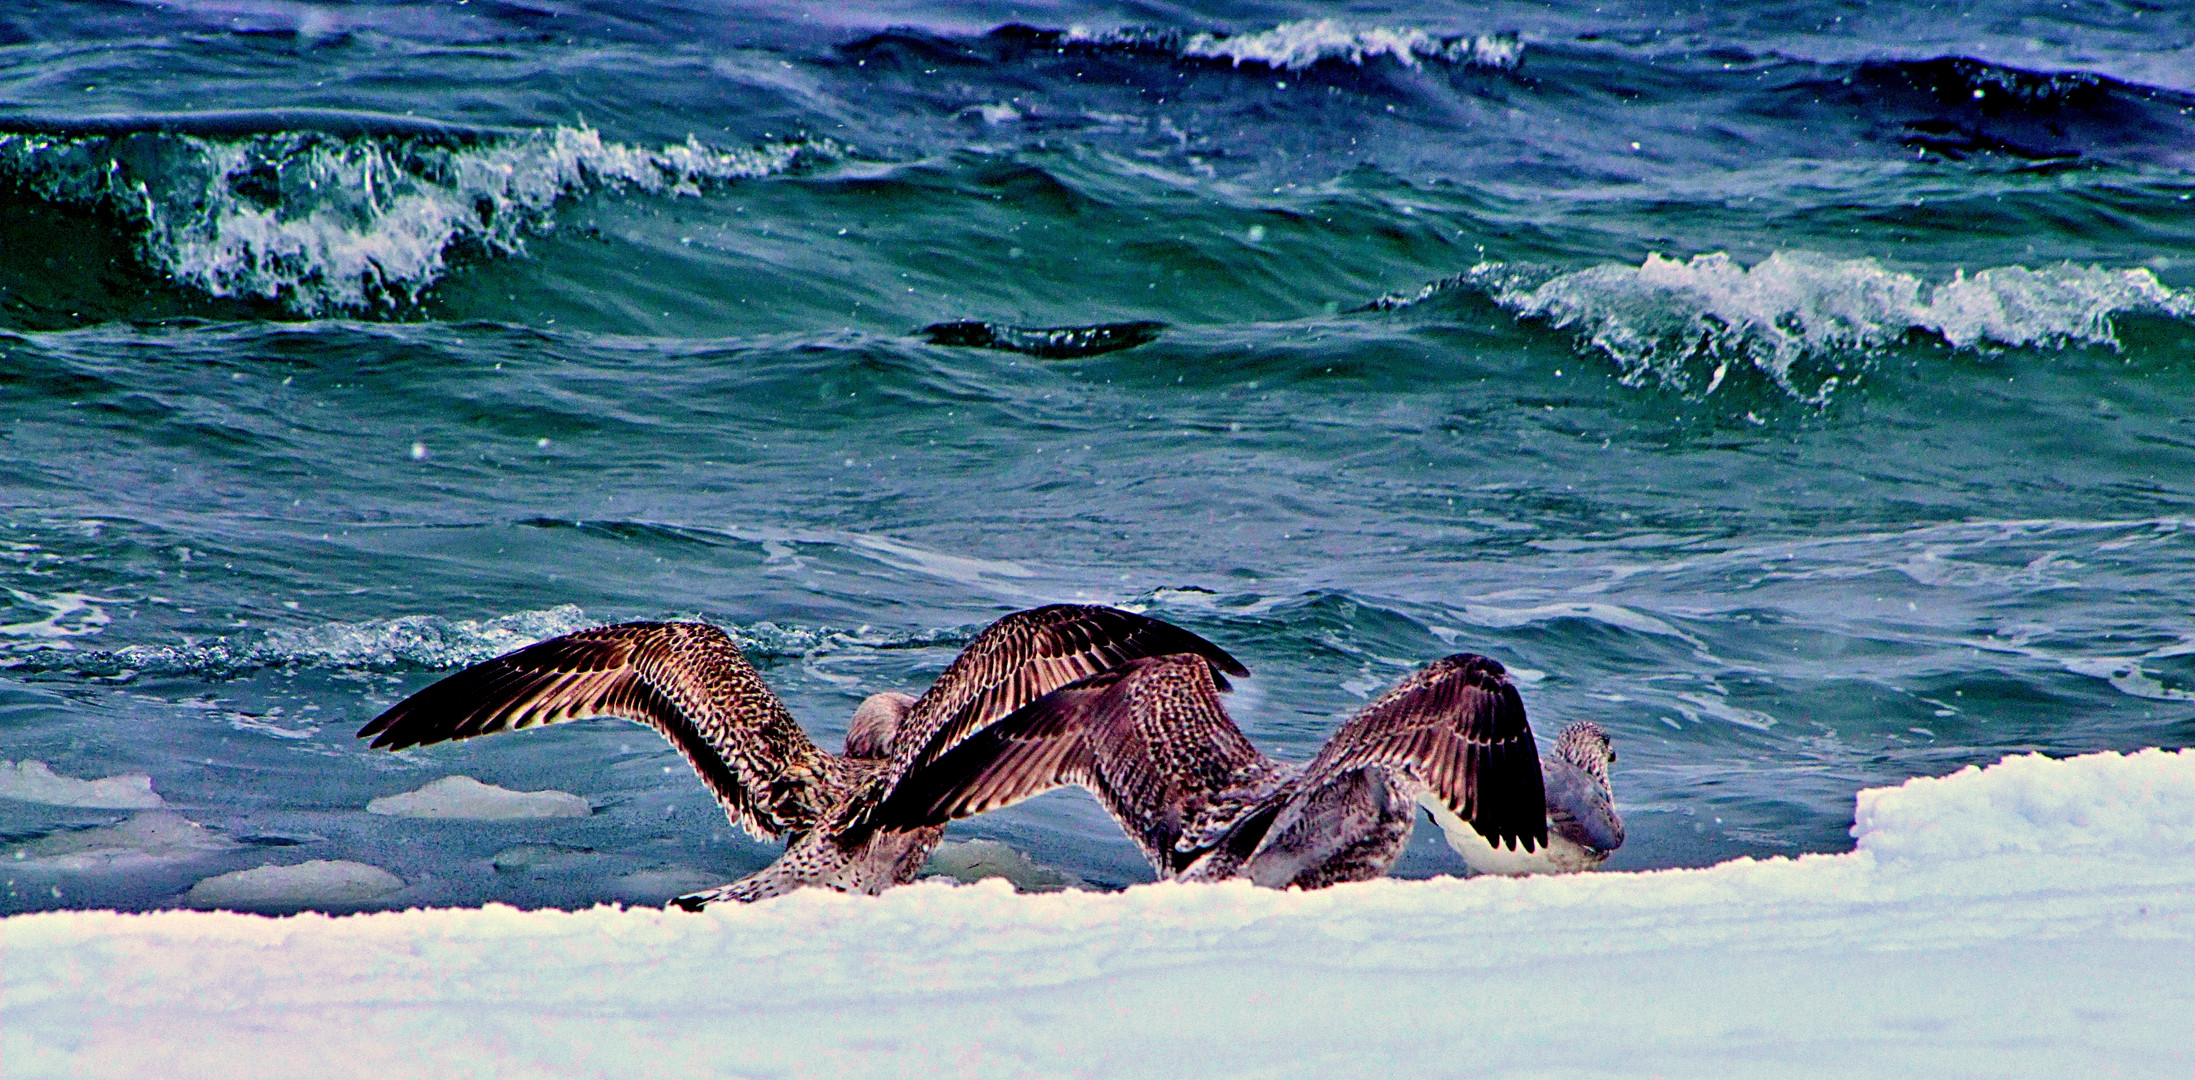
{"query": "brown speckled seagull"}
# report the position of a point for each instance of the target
(691, 683)
(1152, 742)
(1583, 827)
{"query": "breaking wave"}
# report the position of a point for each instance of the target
(1687, 323)
(1294, 46)
(343, 219)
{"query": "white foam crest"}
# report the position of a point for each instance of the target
(68, 614)
(1685, 321)
(323, 224)
(781, 548)
(1293, 46)
(427, 641)
(1614, 615)
(1297, 45)
(430, 641)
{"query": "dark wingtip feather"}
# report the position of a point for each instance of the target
(1219, 657)
(1509, 763)
(386, 729)
(1170, 638)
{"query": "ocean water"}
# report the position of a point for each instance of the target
(1797, 389)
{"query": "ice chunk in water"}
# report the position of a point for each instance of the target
(35, 781)
(320, 883)
(467, 798)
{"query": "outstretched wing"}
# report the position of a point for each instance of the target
(1149, 739)
(1457, 727)
(1027, 655)
(686, 680)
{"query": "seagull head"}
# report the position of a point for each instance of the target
(1586, 746)
(870, 733)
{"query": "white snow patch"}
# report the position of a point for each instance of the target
(331, 883)
(465, 797)
(2031, 919)
(652, 888)
(34, 781)
(543, 858)
(157, 836)
(970, 861)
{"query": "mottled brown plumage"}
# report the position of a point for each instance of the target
(1148, 739)
(1152, 741)
(686, 680)
(1583, 826)
(1029, 654)
(690, 682)
(1450, 729)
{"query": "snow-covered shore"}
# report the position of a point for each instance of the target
(2030, 919)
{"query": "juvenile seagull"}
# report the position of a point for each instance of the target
(1583, 827)
(691, 683)
(1152, 742)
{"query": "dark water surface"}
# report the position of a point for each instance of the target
(1800, 390)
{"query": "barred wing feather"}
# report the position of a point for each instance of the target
(1149, 739)
(1027, 655)
(688, 681)
(1458, 728)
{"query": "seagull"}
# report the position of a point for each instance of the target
(689, 681)
(1583, 827)
(1150, 739)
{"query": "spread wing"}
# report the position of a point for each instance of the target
(1457, 727)
(1027, 655)
(1149, 739)
(686, 680)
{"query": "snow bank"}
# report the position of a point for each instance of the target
(2030, 919)
(2093, 805)
(34, 781)
(465, 797)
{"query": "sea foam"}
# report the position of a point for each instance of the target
(427, 641)
(437, 642)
